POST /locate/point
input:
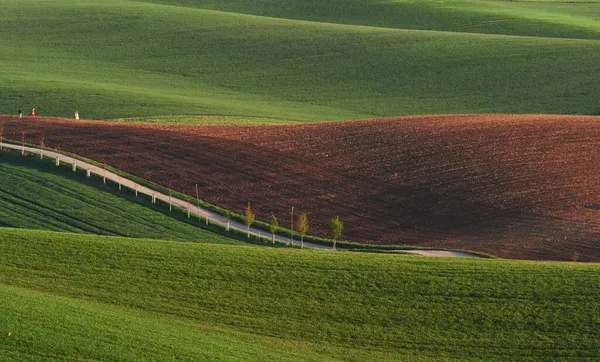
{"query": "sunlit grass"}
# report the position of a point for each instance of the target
(204, 120)
(128, 59)
(347, 305)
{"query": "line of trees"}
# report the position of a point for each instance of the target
(336, 225)
(301, 224)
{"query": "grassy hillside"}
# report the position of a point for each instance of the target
(341, 305)
(35, 195)
(546, 18)
(45, 327)
(120, 59)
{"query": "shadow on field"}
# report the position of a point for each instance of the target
(512, 187)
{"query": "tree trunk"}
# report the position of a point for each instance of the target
(273, 238)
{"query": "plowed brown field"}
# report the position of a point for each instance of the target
(510, 185)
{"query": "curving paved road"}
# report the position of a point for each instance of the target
(213, 217)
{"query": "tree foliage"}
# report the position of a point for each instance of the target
(302, 226)
(336, 229)
(273, 224)
(249, 217)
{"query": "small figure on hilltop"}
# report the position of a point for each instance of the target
(32, 114)
(20, 113)
(76, 114)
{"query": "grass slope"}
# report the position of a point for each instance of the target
(120, 59)
(351, 306)
(35, 195)
(45, 327)
(204, 120)
(546, 18)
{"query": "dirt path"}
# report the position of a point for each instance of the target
(213, 217)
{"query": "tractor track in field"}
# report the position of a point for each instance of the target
(515, 186)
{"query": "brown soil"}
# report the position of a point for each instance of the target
(511, 185)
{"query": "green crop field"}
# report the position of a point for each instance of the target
(89, 297)
(297, 60)
(88, 272)
(34, 194)
(545, 18)
(204, 120)
(47, 327)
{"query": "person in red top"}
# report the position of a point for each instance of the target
(32, 114)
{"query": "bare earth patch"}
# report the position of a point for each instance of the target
(515, 186)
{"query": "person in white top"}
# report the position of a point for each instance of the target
(76, 114)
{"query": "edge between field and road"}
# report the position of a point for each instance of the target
(194, 209)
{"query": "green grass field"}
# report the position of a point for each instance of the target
(125, 295)
(46, 327)
(546, 18)
(297, 60)
(204, 120)
(34, 194)
(130, 298)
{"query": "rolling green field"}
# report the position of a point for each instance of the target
(34, 194)
(46, 327)
(130, 298)
(204, 120)
(149, 286)
(297, 60)
(545, 18)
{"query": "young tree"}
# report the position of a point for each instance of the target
(336, 229)
(273, 227)
(189, 200)
(248, 217)
(42, 145)
(228, 216)
(302, 227)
